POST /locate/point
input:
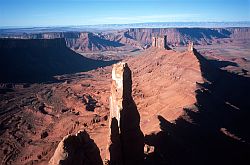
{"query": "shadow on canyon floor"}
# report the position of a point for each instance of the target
(39, 64)
(218, 133)
(127, 145)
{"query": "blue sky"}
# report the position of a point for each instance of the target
(91, 12)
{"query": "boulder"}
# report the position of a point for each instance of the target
(77, 149)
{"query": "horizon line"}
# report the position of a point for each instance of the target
(118, 24)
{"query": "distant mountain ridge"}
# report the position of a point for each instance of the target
(104, 27)
(181, 36)
(137, 38)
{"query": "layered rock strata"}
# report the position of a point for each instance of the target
(160, 42)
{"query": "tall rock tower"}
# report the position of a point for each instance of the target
(126, 141)
(160, 42)
(190, 46)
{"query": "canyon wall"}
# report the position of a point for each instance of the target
(181, 36)
(32, 43)
(36, 60)
(137, 38)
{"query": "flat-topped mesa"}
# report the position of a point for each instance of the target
(160, 42)
(125, 139)
(190, 46)
(10, 43)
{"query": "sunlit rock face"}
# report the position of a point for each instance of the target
(190, 46)
(126, 139)
(160, 42)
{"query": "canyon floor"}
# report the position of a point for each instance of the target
(194, 106)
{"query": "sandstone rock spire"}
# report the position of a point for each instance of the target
(190, 46)
(126, 141)
(77, 149)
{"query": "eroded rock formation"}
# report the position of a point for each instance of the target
(190, 46)
(77, 149)
(126, 140)
(137, 37)
(160, 42)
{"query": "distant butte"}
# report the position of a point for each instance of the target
(160, 42)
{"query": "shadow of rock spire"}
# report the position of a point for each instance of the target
(126, 139)
(215, 130)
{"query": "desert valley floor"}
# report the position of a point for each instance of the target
(192, 104)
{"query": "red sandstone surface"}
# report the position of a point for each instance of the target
(163, 83)
(34, 119)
